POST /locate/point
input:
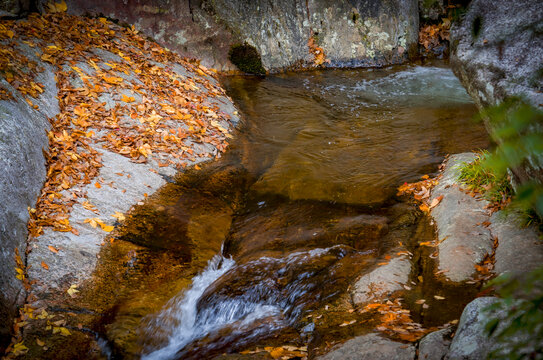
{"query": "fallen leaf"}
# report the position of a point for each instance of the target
(119, 216)
(39, 342)
(52, 249)
(436, 201)
(72, 290)
(347, 323)
(44, 265)
(437, 297)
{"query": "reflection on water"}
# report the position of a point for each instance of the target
(308, 187)
(352, 136)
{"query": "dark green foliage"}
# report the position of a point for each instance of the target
(246, 58)
(518, 129)
(520, 334)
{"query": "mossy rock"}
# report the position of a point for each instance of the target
(246, 58)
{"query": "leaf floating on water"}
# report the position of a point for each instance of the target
(437, 297)
(347, 323)
(39, 342)
(420, 301)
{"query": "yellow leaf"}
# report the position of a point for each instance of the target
(39, 342)
(19, 348)
(119, 216)
(128, 99)
(10, 34)
(437, 297)
(106, 228)
(65, 332)
(72, 290)
(57, 7)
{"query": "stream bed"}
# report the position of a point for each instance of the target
(263, 247)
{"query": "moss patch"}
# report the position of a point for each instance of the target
(246, 58)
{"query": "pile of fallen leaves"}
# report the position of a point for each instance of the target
(319, 57)
(158, 116)
(432, 36)
(396, 321)
(421, 192)
(160, 111)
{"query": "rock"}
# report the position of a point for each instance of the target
(370, 33)
(276, 230)
(493, 49)
(371, 347)
(520, 249)
(430, 10)
(23, 138)
(382, 281)
(13, 8)
(470, 340)
(435, 345)
(464, 241)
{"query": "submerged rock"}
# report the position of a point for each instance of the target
(371, 347)
(275, 230)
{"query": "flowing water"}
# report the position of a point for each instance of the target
(302, 204)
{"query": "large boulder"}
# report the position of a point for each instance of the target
(372, 33)
(23, 137)
(471, 340)
(495, 50)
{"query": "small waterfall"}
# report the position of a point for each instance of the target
(182, 322)
(179, 315)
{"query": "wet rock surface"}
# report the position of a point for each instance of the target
(463, 239)
(277, 230)
(382, 281)
(372, 347)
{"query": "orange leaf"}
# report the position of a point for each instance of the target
(44, 265)
(53, 249)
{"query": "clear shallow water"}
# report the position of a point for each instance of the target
(320, 155)
(352, 136)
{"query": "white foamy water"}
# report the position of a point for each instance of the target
(181, 311)
(182, 321)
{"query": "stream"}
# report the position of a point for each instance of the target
(271, 237)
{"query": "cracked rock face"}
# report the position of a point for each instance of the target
(366, 33)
